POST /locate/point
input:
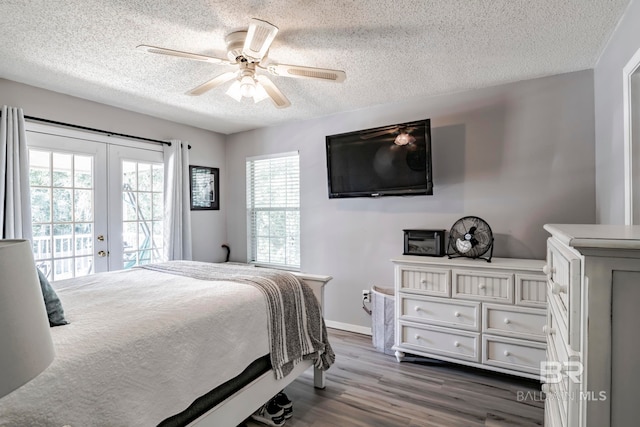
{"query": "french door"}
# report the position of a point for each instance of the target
(136, 185)
(96, 204)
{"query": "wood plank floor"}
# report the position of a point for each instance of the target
(367, 388)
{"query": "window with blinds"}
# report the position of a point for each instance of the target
(273, 210)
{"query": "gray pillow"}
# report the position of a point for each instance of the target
(52, 302)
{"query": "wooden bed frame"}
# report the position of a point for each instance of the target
(243, 403)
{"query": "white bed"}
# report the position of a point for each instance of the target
(142, 345)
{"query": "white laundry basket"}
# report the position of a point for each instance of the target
(382, 318)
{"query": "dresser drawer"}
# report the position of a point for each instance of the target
(563, 376)
(531, 290)
(556, 390)
(517, 322)
(511, 353)
(555, 409)
(552, 411)
(440, 312)
(442, 341)
(557, 329)
(426, 281)
(483, 285)
(563, 275)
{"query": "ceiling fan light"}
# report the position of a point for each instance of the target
(404, 139)
(234, 91)
(247, 87)
(260, 94)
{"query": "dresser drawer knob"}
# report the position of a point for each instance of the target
(457, 314)
(506, 321)
(417, 308)
(507, 353)
(423, 281)
(482, 286)
(557, 288)
(548, 330)
(417, 337)
(574, 356)
(456, 344)
(548, 270)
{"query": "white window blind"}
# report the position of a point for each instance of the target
(273, 210)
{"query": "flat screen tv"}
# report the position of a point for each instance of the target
(386, 161)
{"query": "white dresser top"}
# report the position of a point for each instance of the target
(495, 264)
(596, 235)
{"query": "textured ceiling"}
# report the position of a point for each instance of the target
(390, 50)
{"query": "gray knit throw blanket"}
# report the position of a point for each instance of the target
(296, 327)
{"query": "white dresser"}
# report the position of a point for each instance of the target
(487, 315)
(593, 351)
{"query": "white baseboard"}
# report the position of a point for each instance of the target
(348, 327)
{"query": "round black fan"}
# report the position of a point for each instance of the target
(470, 237)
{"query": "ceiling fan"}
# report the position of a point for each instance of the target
(247, 50)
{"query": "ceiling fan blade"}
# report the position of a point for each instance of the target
(389, 131)
(300, 72)
(181, 54)
(214, 82)
(260, 35)
(278, 98)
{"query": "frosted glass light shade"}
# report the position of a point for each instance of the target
(26, 348)
(247, 87)
(404, 139)
(261, 94)
(234, 91)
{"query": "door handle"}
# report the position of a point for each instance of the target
(102, 254)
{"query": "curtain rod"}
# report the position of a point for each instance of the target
(38, 119)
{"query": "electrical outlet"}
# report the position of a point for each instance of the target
(366, 295)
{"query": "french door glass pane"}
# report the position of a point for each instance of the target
(62, 205)
(62, 169)
(40, 205)
(62, 200)
(142, 209)
(40, 169)
(83, 177)
(84, 238)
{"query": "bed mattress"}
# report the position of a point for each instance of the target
(141, 346)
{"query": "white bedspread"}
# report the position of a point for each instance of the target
(190, 336)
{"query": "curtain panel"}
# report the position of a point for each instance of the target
(15, 198)
(177, 218)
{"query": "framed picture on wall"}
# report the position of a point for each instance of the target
(205, 188)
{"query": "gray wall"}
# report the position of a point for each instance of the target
(519, 156)
(209, 229)
(609, 124)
